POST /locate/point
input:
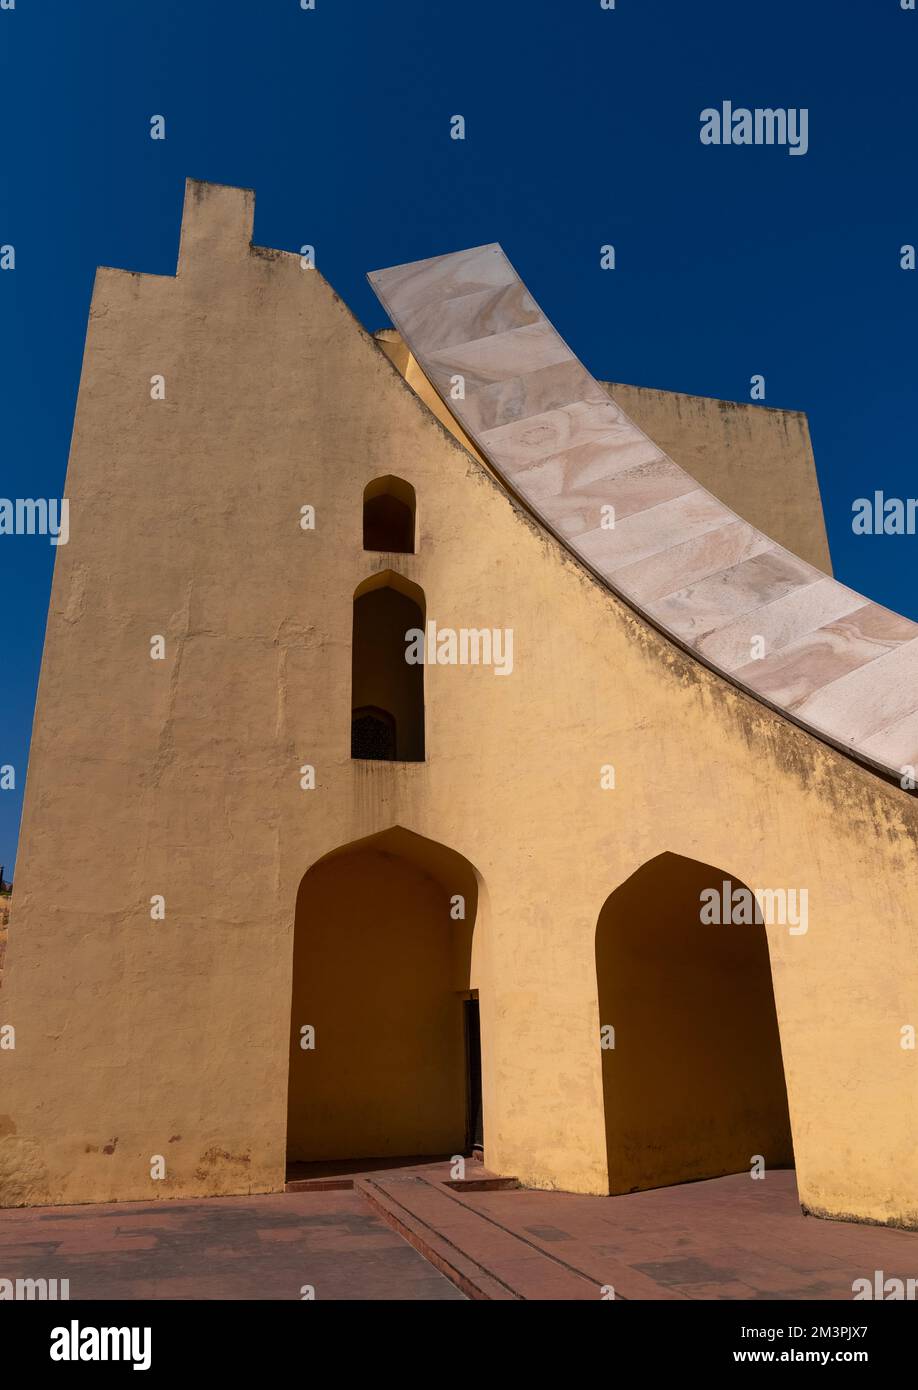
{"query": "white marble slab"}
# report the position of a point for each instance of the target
(826, 656)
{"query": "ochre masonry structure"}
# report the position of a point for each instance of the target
(284, 896)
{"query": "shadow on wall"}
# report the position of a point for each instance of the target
(381, 971)
(694, 1086)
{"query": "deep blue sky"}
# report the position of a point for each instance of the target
(582, 128)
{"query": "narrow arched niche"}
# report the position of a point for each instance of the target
(694, 1084)
(389, 510)
(387, 692)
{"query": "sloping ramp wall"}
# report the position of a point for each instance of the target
(820, 653)
(757, 459)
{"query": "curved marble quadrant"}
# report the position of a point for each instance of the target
(799, 641)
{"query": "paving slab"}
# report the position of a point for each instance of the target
(728, 1238)
(264, 1247)
(411, 1232)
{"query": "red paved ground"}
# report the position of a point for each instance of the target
(731, 1238)
(225, 1247)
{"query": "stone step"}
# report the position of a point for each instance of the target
(480, 1256)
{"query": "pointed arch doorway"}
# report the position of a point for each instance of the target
(692, 1072)
(383, 1064)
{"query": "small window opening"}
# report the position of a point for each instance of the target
(389, 516)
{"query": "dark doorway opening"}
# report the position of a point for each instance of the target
(475, 1134)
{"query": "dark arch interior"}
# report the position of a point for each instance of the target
(387, 693)
(388, 522)
(373, 735)
(381, 972)
(694, 1086)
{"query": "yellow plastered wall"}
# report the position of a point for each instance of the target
(139, 1038)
